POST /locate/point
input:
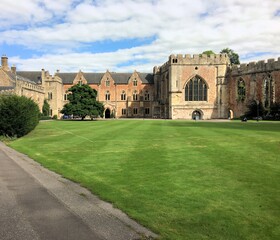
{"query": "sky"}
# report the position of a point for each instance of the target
(128, 35)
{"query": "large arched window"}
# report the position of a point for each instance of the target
(241, 90)
(196, 90)
(268, 91)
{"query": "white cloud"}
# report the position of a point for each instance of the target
(180, 26)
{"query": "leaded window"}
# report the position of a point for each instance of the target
(146, 96)
(196, 90)
(134, 82)
(107, 96)
(123, 95)
(107, 82)
(135, 96)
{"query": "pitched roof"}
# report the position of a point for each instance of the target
(4, 88)
(147, 78)
(95, 78)
(33, 76)
(22, 76)
(67, 77)
(121, 78)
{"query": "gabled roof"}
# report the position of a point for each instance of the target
(33, 76)
(147, 78)
(67, 77)
(121, 78)
(18, 76)
(93, 77)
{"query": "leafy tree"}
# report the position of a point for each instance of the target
(234, 57)
(255, 109)
(275, 111)
(208, 52)
(46, 108)
(19, 115)
(82, 102)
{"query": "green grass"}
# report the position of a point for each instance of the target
(182, 179)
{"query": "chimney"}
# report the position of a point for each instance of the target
(4, 63)
(14, 69)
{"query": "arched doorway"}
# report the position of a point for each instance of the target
(107, 113)
(230, 114)
(196, 115)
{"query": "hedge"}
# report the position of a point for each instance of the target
(18, 115)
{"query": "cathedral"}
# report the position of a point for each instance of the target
(185, 87)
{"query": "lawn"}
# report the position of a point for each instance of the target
(182, 179)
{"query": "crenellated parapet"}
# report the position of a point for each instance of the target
(199, 59)
(256, 67)
(30, 86)
(196, 59)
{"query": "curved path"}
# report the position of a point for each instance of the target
(36, 203)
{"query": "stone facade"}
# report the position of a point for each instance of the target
(185, 87)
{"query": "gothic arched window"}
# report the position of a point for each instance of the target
(241, 90)
(135, 96)
(146, 96)
(196, 90)
(107, 96)
(123, 95)
(268, 91)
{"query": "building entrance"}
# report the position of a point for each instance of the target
(196, 115)
(107, 113)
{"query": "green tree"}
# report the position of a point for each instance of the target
(234, 57)
(255, 109)
(208, 52)
(46, 108)
(82, 102)
(19, 115)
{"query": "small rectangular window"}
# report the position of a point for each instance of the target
(147, 111)
(135, 110)
(49, 95)
(65, 97)
(124, 111)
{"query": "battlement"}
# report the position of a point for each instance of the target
(199, 59)
(196, 59)
(260, 66)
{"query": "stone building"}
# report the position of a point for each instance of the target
(185, 87)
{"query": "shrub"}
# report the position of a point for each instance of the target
(19, 115)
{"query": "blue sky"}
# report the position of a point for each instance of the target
(128, 35)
